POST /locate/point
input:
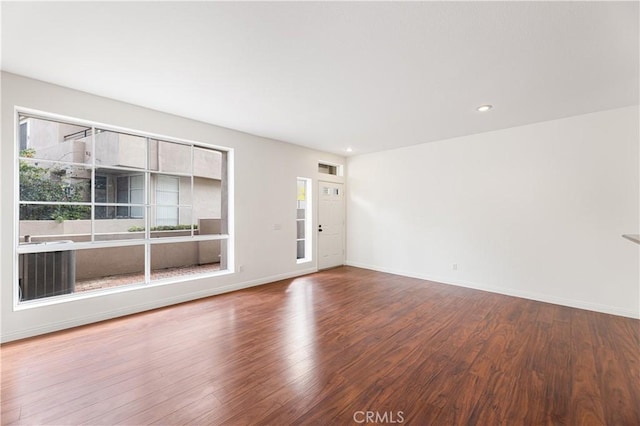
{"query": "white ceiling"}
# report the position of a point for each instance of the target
(329, 75)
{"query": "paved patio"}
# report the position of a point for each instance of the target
(128, 279)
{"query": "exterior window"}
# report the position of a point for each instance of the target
(136, 195)
(303, 220)
(102, 212)
(124, 190)
(167, 198)
(130, 190)
(122, 196)
(24, 135)
(100, 208)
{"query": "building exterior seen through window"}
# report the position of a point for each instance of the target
(100, 208)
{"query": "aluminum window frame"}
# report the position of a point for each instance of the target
(227, 203)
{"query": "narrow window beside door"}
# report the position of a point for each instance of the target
(303, 221)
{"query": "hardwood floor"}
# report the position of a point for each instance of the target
(339, 347)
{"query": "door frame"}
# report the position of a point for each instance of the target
(344, 223)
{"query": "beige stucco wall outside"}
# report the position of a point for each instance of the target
(117, 149)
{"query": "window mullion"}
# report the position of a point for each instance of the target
(93, 183)
(147, 216)
(192, 194)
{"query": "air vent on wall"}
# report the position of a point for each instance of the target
(329, 169)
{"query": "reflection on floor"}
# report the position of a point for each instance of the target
(127, 279)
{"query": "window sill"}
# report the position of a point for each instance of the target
(55, 300)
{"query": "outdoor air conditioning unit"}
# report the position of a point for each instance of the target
(46, 274)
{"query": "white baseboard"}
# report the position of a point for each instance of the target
(134, 309)
(580, 304)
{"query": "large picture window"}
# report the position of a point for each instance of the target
(100, 208)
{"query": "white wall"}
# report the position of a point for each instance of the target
(534, 211)
(265, 195)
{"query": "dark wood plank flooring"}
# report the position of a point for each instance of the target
(328, 348)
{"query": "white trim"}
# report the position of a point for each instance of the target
(92, 318)
(93, 184)
(16, 208)
(572, 303)
(147, 241)
(308, 221)
(65, 298)
(62, 162)
(41, 248)
(61, 203)
(231, 205)
(192, 184)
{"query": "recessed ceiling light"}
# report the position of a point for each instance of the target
(484, 108)
(349, 149)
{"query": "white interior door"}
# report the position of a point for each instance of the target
(330, 225)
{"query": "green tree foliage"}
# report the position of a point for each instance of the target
(41, 184)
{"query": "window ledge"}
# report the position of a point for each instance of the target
(55, 300)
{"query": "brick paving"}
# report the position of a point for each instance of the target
(138, 278)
